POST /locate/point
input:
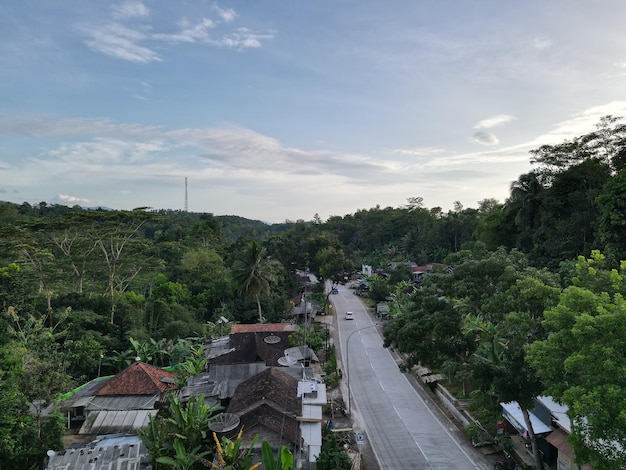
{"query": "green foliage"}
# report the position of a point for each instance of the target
(581, 362)
(284, 461)
(186, 423)
(253, 273)
(183, 459)
(332, 456)
(315, 337)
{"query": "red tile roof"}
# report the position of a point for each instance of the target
(138, 379)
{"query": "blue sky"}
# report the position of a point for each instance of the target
(279, 110)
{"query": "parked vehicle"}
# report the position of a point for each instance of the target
(349, 316)
(507, 463)
(334, 291)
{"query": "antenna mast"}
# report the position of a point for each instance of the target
(186, 200)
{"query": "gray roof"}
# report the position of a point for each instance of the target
(117, 421)
(218, 347)
(229, 376)
(299, 372)
(201, 384)
(121, 402)
(83, 395)
(119, 453)
(301, 353)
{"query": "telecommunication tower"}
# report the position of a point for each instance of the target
(186, 200)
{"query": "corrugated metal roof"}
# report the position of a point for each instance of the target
(513, 413)
(301, 353)
(83, 394)
(113, 422)
(122, 453)
(558, 412)
(122, 402)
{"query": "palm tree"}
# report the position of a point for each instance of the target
(253, 273)
(525, 200)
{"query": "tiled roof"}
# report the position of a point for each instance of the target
(270, 386)
(268, 399)
(263, 328)
(138, 379)
(248, 347)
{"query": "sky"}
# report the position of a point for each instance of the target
(281, 110)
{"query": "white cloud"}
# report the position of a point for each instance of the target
(417, 151)
(133, 42)
(120, 42)
(51, 127)
(494, 121)
(68, 200)
(580, 123)
(130, 9)
(189, 32)
(226, 15)
(243, 38)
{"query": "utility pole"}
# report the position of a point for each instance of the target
(348, 359)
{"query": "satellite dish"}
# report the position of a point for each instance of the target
(287, 361)
(272, 339)
(224, 422)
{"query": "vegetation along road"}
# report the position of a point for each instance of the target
(403, 430)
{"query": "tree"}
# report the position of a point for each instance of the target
(332, 457)
(612, 219)
(582, 361)
(333, 266)
(124, 252)
(186, 422)
(253, 272)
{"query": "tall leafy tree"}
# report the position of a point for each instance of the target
(124, 251)
(253, 272)
(582, 361)
(612, 219)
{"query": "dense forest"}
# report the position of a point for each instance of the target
(534, 303)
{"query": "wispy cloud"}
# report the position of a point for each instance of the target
(417, 151)
(243, 38)
(33, 126)
(494, 121)
(118, 41)
(128, 36)
(227, 15)
(189, 32)
(130, 9)
(580, 123)
(485, 137)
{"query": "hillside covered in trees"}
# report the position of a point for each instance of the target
(535, 303)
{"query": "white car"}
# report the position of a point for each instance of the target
(349, 316)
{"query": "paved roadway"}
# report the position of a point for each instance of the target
(403, 431)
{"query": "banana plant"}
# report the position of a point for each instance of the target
(230, 456)
(183, 460)
(284, 461)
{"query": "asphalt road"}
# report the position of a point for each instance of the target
(404, 429)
